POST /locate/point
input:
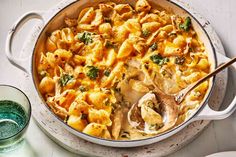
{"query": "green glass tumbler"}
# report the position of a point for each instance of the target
(15, 113)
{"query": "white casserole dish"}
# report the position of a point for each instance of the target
(54, 19)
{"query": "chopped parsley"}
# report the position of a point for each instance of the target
(82, 88)
(85, 37)
(153, 46)
(107, 72)
(190, 49)
(92, 72)
(158, 59)
(146, 33)
(179, 60)
(65, 79)
(109, 44)
(186, 25)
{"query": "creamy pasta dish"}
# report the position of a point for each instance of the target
(99, 64)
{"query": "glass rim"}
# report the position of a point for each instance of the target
(28, 113)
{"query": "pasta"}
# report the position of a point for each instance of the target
(99, 64)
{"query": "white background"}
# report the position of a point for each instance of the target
(219, 136)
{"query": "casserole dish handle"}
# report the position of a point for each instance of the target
(19, 62)
(207, 113)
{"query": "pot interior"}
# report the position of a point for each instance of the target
(73, 9)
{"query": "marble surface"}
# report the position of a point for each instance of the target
(219, 136)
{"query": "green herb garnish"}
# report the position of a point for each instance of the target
(65, 79)
(179, 60)
(190, 49)
(158, 59)
(92, 72)
(107, 72)
(82, 88)
(153, 46)
(109, 44)
(146, 33)
(85, 37)
(186, 25)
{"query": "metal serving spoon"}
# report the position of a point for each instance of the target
(170, 101)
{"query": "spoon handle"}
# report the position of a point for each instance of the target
(181, 95)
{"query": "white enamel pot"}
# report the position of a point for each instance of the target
(53, 19)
